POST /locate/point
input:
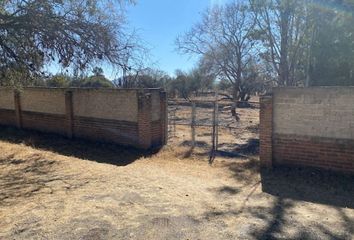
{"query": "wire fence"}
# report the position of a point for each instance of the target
(202, 117)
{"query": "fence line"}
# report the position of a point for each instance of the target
(193, 123)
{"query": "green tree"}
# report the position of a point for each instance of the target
(66, 32)
(144, 78)
(58, 81)
(186, 83)
(224, 85)
(307, 42)
(181, 84)
(97, 80)
(332, 49)
(200, 79)
(97, 71)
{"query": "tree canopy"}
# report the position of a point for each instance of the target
(331, 56)
(292, 42)
(68, 33)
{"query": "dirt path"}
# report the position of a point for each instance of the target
(49, 194)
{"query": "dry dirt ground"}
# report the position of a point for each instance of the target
(53, 188)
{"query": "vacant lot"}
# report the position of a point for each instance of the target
(51, 188)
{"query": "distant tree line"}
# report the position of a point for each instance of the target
(181, 85)
(94, 80)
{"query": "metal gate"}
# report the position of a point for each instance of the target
(207, 128)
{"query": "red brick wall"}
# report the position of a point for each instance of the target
(295, 113)
(144, 120)
(328, 153)
(8, 117)
(51, 123)
(156, 133)
(141, 132)
(120, 132)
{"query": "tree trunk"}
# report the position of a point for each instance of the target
(236, 90)
(235, 96)
(284, 45)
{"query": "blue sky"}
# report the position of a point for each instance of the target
(159, 22)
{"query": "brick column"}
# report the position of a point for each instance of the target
(164, 117)
(266, 131)
(17, 96)
(144, 120)
(69, 113)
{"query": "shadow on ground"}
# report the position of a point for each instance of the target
(93, 151)
(288, 186)
(277, 220)
(23, 178)
(231, 150)
(311, 185)
(250, 148)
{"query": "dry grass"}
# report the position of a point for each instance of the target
(51, 188)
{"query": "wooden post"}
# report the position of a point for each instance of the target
(174, 122)
(214, 128)
(193, 123)
(164, 116)
(69, 114)
(18, 110)
(213, 134)
(217, 121)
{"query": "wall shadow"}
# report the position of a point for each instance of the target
(308, 184)
(250, 148)
(23, 178)
(191, 148)
(231, 150)
(84, 149)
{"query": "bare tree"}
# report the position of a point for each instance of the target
(224, 38)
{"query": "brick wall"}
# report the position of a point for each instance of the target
(42, 110)
(309, 127)
(266, 130)
(7, 100)
(7, 117)
(144, 119)
(7, 107)
(123, 116)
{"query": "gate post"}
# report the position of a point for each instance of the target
(193, 123)
(266, 131)
(164, 117)
(144, 120)
(69, 113)
(18, 111)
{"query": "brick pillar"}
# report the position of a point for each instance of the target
(164, 117)
(266, 131)
(69, 114)
(144, 120)
(17, 96)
